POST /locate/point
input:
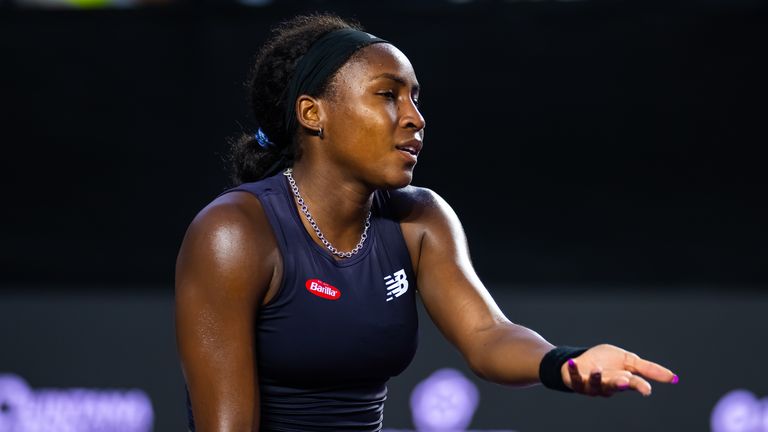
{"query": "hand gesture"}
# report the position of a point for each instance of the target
(606, 369)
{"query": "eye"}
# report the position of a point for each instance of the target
(389, 94)
(417, 102)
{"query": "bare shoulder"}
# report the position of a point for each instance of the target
(426, 220)
(414, 204)
(229, 216)
(229, 244)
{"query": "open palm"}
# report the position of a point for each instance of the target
(606, 369)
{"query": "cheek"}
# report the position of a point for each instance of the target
(368, 123)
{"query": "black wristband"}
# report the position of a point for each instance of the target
(549, 368)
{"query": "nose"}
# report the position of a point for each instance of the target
(412, 118)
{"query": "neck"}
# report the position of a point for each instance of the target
(338, 204)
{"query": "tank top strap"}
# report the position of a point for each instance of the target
(277, 206)
(388, 229)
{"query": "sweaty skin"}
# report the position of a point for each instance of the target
(229, 263)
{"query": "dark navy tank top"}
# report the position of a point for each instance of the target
(336, 330)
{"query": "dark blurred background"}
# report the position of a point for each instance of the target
(607, 153)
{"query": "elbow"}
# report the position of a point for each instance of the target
(496, 368)
(238, 426)
(225, 419)
(478, 366)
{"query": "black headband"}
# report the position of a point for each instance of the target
(323, 59)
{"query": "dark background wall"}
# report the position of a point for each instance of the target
(578, 141)
(613, 148)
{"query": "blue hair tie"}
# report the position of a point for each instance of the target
(262, 139)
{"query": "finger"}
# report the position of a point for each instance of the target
(619, 381)
(640, 385)
(616, 381)
(596, 382)
(648, 369)
(622, 382)
(577, 383)
(606, 383)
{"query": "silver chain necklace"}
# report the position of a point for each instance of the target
(312, 222)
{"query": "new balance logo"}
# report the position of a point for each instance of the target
(397, 284)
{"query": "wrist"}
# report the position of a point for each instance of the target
(554, 368)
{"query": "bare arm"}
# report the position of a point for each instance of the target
(456, 300)
(495, 348)
(223, 272)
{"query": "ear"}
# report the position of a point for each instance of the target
(310, 113)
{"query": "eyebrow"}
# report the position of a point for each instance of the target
(396, 78)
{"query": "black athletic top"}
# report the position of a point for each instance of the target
(337, 330)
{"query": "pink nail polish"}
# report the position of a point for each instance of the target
(675, 379)
(571, 363)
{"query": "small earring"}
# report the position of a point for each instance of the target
(320, 133)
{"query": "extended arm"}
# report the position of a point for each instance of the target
(223, 272)
(495, 348)
(461, 307)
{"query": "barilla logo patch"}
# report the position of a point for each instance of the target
(322, 289)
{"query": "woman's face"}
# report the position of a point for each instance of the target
(373, 124)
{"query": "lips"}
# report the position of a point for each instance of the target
(413, 147)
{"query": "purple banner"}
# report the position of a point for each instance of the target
(23, 409)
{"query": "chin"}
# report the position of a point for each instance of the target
(400, 179)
